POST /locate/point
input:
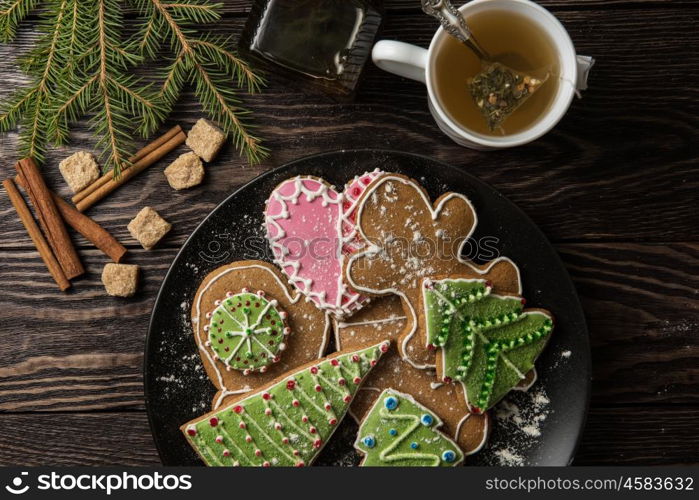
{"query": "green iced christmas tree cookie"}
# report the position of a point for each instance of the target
(488, 341)
(247, 331)
(287, 423)
(399, 431)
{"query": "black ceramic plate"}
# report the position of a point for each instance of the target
(539, 427)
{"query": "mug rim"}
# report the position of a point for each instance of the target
(549, 119)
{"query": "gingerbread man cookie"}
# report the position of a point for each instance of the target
(411, 239)
(250, 327)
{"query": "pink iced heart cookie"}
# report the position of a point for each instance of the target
(311, 228)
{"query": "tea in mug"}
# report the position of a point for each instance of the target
(478, 100)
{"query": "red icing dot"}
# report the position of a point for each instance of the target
(296, 453)
(238, 409)
(285, 440)
(355, 358)
(524, 301)
(248, 438)
(276, 359)
(192, 432)
(312, 430)
(272, 322)
(476, 410)
(372, 362)
(356, 191)
(341, 381)
(258, 453)
(318, 388)
(266, 464)
(384, 347)
(213, 421)
(295, 402)
(317, 443)
(366, 180)
(314, 370)
(300, 464)
(334, 362)
(328, 407)
(447, 380)
(304, 419)
(266, 396)
(489, 284)
(356, 380)
(242, 425)
(332, 421)
(290, 385)
(247, 302)
(347, 398)
(346, 205)
(226, 453)
(431, 347)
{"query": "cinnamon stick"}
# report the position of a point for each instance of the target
(50, 219)
(132, 171)
(83, 224)
(136, 157)
(35, 234)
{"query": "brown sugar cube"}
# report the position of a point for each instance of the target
(148, 227)
(205, 139)
(120, 280)
(79, 170)
(185, 172)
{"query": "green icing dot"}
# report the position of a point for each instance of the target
(246, 331)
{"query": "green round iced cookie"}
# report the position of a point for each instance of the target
(247, 330)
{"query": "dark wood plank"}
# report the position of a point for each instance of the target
(621, 165)
(661, 435)
(613, 436)
(83, 351)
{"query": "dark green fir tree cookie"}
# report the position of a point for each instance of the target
(487, 341)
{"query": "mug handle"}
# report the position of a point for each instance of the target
(402, 59)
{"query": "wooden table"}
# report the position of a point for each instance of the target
(614, 186)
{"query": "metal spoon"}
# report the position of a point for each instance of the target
(454, 23)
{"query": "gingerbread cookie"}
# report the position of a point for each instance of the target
(384, 318)
(251, 328)
(487, 340)
(287, 421)
(411, 239)
(399, 431)
(311, 229)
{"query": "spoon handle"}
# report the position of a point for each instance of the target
(453, 23)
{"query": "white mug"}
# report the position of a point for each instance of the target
(417, 63)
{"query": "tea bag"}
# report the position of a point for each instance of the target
(498, 91)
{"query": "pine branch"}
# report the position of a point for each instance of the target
(12, 12)
(31, 108)
(83, 65)
(207, 64)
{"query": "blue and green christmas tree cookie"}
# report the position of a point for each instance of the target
(487, 341)
(399, 431)
(246, 331)
(286, 423)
